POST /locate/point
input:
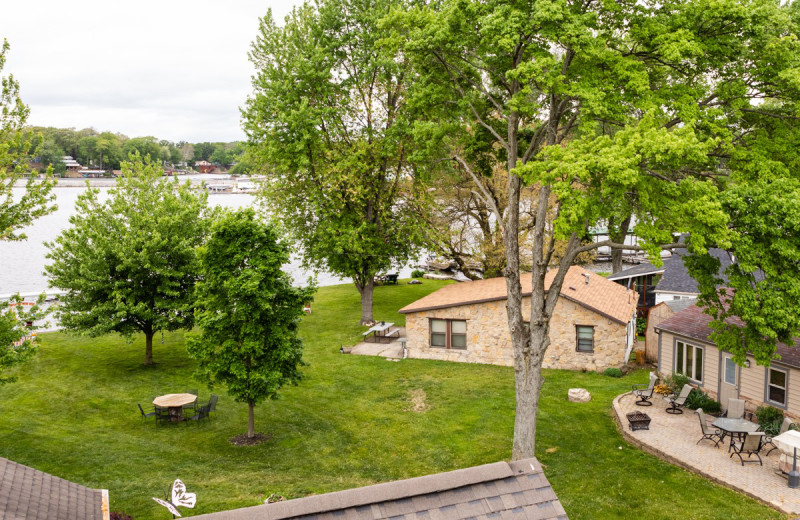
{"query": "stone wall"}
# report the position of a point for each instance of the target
(488, 339)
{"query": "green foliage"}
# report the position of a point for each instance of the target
(17, 344)
(699, 399)
(248, 311)
(417, 273)
(51, 155)
(641, 326)
(17, 148)
(335, 145)
(129, 263)
(770, 419)
(612, 372)
(675, 382)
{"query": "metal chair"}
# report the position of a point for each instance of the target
(162, 414)
(145, 415)
(709, 433)
(751, 445)
(191, 406)
(677, 402)
(202, 413)
(735, 409)
(784, 428)
(645, 392)
(212, 403)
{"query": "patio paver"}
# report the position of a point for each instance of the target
(673, 438)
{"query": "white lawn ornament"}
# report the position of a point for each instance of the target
(179, 498)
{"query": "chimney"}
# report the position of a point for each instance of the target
(587, 278)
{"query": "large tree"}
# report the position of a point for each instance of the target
(17, 148)
(247, 311)
(129, 263)
(328, 124)
(612, 109)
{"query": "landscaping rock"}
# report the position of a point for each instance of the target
(579, 395)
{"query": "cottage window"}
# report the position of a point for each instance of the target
(449, 334)
(584, 338)
(776, 386)
(689, 360)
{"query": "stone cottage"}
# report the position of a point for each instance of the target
(593, 326)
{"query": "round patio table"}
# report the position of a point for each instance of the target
(175, 404)
(733, 427)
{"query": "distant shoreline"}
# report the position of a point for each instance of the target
(110, 183)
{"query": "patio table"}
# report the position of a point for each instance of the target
(733, 427)
(175, 403)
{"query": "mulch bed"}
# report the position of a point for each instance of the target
(244, 440)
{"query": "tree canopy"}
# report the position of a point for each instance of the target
(18, 341)
(328, 125)
(129, 263)
(609, 109)
(247, 311)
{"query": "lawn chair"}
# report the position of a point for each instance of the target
(709, 433)
(784, 428)
(191, 406)
(735, 409)
(645, 392)
(202, 413)
(676, 403)
(146, 415)
(212, 403)
(751, 445)
(162, 414)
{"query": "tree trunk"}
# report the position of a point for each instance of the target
(366, 300)
(251, 421)
(148, 348)
(619, 237)
(528, 382)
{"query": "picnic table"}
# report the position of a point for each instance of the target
(380, 331)
(175, 403)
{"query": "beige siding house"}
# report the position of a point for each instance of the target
(685, 347)
(593, 325)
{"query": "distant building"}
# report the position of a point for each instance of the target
(204, 166)
(72, 165)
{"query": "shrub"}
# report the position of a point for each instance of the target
(417, 273)
(699, 399)
(770, 419)
(675, 382)
(662, 389)
(641, 326)
(613, 372)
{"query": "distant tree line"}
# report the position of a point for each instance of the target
(107, 150)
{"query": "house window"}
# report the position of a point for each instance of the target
(584, 338)
(777, 383)
(689, 360)
(449, 334)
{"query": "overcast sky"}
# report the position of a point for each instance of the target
(173, 69)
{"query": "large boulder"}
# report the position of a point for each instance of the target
(579, 395)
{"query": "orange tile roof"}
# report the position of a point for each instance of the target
(600, 295)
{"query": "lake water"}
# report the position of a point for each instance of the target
(22, 263)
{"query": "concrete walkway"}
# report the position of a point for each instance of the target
(673, 438)
(392, 350)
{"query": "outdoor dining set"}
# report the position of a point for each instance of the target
(173, 408)
(745, 438)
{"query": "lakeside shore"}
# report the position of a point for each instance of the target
(110, 183)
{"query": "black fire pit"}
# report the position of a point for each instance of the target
(638, 421)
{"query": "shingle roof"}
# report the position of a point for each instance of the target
(29, 494)
(692, 322)
(676, 277)
(600, 295)
(679, 305)
(637, 270)
(500, 491)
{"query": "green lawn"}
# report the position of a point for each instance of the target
(349, 423)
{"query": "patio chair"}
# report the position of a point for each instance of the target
(162, 414)
(784, 428)
(735, 409)
(191, 406)
(709, 433)
(645, 392)
(751, 445)
(146, 415)
(212, 403)
(202, 413)
(677, 402)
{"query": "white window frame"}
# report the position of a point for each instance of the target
(768, 384)
(682, 370)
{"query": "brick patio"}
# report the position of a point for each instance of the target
(673, 438)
